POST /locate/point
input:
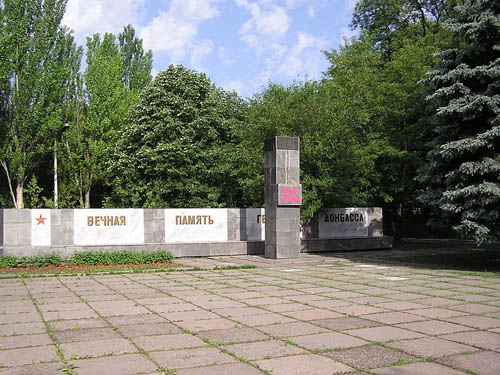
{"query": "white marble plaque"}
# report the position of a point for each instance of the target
(344, 222)
(196, 225)
(109, 226)
(255, 224)
(40, 227)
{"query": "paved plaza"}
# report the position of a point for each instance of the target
(383, 312)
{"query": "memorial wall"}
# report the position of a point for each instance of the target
(184, 232)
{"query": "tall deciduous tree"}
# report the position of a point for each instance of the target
(35, 67)
(462, 175)
(137, 64)
(174, 150)
(388, 21)
(117, 69)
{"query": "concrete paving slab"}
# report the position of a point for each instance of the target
(345, 323)
(328, 341)
(169, 342)
(189, 315)
(436, 313)
(434, 327)
(22, 328)
(240, 311)
(37, 369)
(425, 368)
(475, 321)
(263, 319)
(286, 307)
(481, 339)
(370, 356)
(431, 347)
(189, 358)
(312, 314)
(385, 333)
(394, 317)
(228, 369)
(292, 329)
(476, 308)
(208, 324)
(20, 318)
(305, 364)
(149, 329)
(86, 334)
(97, 348)
(481, 363)
(233, 335)
(63, 325)
(263, 349)
(358, 310)
(24, 341)
(135, 319)
(24, 356)
(127, 364)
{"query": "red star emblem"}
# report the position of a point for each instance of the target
(40, 220)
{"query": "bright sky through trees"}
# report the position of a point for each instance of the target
(240, 44)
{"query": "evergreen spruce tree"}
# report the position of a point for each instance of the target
(462, 176)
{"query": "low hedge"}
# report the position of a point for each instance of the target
(88, 258)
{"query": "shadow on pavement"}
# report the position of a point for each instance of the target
(455, 258)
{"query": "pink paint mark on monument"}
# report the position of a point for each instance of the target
(289, 191)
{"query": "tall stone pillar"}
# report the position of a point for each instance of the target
(283, 195)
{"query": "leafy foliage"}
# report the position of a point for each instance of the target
(35, 69)
(117, 69)
(120, 257)
(88, 258)
(463, 170)
(174, 152)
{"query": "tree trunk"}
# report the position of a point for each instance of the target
(19, 195)
(87, 198)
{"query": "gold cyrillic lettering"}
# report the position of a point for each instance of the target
(90, 221)
(210, 220)
(122, 220)
(191, 219)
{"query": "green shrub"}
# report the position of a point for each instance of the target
(37, 261)
(8, 261)
(120, 257)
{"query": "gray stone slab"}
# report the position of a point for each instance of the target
(189, 358)
(127, 364)
(370, 356)
(38, 369)
(305, 364)
(483, 363)
(233, 335)
(426, 368)
(24, 356)
(227, 369)
(97, 348)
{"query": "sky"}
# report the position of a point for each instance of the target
(241, 45)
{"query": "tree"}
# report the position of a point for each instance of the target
(390, 21)
(335, 120)
(35, 68)
(174, 150)
(136, 64)
(117, 69)
(462, 175)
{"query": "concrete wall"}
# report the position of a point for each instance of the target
(32, 232)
